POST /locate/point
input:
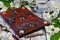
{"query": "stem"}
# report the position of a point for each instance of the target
(45, 33)
(0, 38)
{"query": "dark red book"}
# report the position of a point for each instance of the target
(23, 21)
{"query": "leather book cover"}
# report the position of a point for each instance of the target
(22, 21)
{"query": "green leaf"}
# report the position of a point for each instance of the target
(55, 37)
(25, 3)
(55, 20)
(58, 15)
(7, 4)
(57, 25)
(7, 1)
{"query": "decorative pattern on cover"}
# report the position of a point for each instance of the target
(23, 21)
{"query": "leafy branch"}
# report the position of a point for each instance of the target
(57, 24)
(7, 2)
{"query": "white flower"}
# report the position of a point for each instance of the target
(17, 5)
(53, 23)
(4, 33)
(49, 28)
(47, 16)
(54, 4)
(6, 36)
(3, 9)
(11, 4)
(9, 36)
(56, 30)
(52, 30)
(59, 21)
(1, 4)
(59, 18)
(0, 35)
(59, 39)
(55, 14)
(37, 2)
(28, 7)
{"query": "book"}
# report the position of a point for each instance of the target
(22, 21)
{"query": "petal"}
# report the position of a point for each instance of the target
(3, 9)
(59, 38)
(1, 4)
(56, 30)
